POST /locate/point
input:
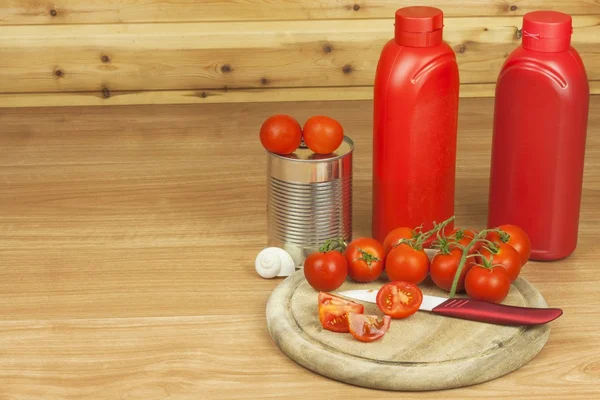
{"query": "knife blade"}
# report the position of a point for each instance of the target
(473, 310)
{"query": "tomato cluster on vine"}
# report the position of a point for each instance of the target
(483, 264)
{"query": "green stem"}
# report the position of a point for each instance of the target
(367, 257)
(422, 237)
(337, 244)
(463, 258)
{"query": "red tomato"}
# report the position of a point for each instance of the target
(323, 134)
(399, 299)
(516, 237)
(325, 271)
(281, 134)
(407, 264)
(365, 259)
(487, 284)
(443, 268)
(333, 311)
(463, 236)
(395, 236)
(368, 328)
(427, 244)
(506, 256)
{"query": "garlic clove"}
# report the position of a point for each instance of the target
(297, 253)
(268, 263)
(288, 266)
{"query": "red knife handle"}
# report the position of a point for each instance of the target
(498, 314)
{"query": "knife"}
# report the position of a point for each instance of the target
(473, 310)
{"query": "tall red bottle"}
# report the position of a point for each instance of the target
(540, 125)
(414, 126)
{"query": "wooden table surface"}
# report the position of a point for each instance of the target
(127, 241)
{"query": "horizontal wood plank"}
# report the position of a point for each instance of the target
(228, 357)
(216, 96)
(132, 57)
(127, 243)
(29, 12)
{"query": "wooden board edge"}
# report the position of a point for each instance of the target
(212, 96)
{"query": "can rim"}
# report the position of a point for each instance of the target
(346, 139)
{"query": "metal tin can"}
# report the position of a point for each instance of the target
(309, 199)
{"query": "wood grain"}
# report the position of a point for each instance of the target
(29, 12)
(127, 240)
(279, 54)
(218, 96)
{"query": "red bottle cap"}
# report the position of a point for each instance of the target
(547, 31)
(419, 26)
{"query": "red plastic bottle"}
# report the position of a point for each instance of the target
(540, 125)
(414, 126)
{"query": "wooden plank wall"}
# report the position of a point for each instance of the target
(79, 52)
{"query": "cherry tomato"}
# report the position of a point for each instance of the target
(323, 134)
(443, 268)
(506, 256)
(368, 328)
(516, 237)
(487, 284)
(280, 134)
(427, 244)
(395, 236)
(365, 259)
(405, 263)
(464, 238)
(399, 299)
(333, 312)
(325, 271)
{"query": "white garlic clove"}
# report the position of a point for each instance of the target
(288, 266)
(296, 252)
(273, 261)
(268, 263)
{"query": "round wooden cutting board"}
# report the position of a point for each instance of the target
(423, 352)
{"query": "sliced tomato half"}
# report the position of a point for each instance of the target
(328, 298)
(333, 311)
(368, 328)
(399, 299)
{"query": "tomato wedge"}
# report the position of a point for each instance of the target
(368, 328)
(333, 312)
(399, 299)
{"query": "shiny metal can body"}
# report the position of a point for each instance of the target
(309, 199)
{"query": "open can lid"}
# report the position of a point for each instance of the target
(547, 31)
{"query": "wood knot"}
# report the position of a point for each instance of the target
(59, 73)
(513, 8)
(327, 48)
(264, 81)
(356, 7)
(105, 59)
(346, 69)
(105, 92)
(462, 48)
(518, 33)
(53, 12)
(226, 68)
(203, 95)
